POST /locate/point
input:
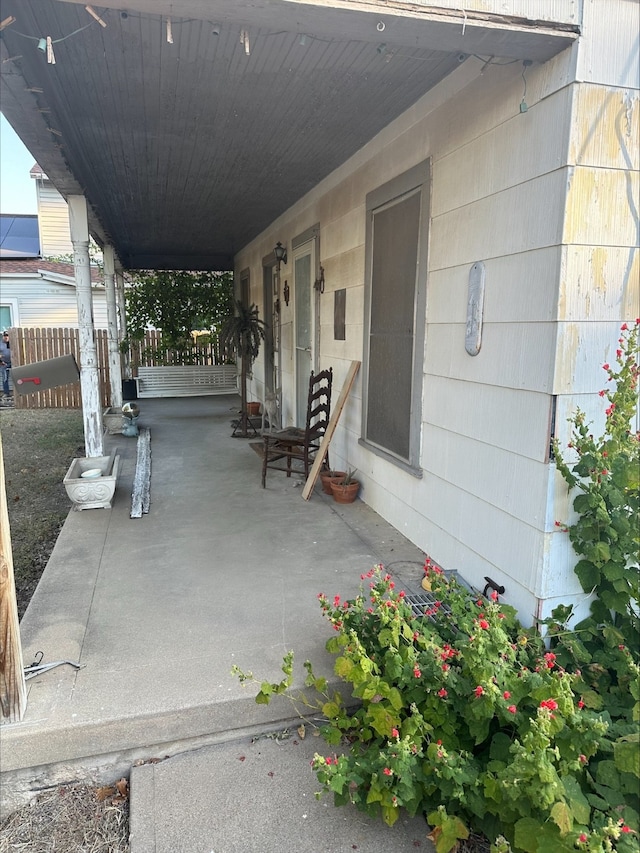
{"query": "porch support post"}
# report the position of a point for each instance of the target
(13, 691)
(89, 379)
(122, 319)
(115, 379)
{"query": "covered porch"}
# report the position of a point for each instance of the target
(157, 610)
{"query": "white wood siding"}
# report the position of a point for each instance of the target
(53, 221)
(562, 11)
(47, 304)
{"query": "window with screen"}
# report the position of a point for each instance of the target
(397, 221)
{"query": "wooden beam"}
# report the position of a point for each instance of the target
(13, 691)
(331, 428)
(141, 493)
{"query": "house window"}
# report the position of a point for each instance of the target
(5, 317)
(396, 244)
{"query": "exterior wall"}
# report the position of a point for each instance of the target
(53, 220)
(488, 497)
(41, 303)
(600, 275)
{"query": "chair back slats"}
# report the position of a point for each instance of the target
(293, 444)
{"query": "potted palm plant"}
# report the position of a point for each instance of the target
(242, 333)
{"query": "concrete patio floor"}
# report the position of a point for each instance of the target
(157, 610)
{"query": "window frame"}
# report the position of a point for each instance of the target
(396, 190)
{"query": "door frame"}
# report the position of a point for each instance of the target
(308, 242)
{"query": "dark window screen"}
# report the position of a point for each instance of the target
(391, 335)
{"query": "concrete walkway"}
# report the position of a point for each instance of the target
(158, 609)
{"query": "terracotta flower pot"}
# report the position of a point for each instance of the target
(327, 476)
(344, 494)
(253, 409)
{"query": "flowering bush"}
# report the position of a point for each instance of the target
(478, 723)
(606, 474)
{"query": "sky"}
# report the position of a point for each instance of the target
(17, 188)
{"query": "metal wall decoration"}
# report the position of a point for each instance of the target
(475, 306)
(339, 314)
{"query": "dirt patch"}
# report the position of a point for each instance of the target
(38, 446)
(70, 820)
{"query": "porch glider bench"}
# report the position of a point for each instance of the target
(188, 381)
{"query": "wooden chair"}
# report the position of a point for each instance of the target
(300, 444)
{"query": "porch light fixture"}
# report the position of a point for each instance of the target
(280, 253)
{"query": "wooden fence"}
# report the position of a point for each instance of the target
(36, 344)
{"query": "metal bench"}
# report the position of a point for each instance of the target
(188, 381)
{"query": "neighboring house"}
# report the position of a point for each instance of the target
(42, 294)
(478, 256)
(35, 292)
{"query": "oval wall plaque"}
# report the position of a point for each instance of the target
(475, 306)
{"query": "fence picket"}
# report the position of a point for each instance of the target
(29, 345)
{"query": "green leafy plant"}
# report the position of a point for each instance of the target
(177, 302)
(606, 474)
(462, 715)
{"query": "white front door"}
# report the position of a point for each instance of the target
(305, 310)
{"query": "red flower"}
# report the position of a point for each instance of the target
(550, 659)
(551, 704)
(580, 703)
(388, 771)
(512, 709)
(506, 695)
(625, 828)
(605, 367)
(479, 690)
(442, 693)
(582, 759)
(416, 672)
(582, 838)
(494, 595)
(483, 624)
(601, 393)
(395, 733)
(624, 327)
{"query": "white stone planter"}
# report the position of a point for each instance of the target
(112, 420)
(96, 492)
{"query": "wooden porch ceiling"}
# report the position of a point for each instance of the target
(188, 150)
